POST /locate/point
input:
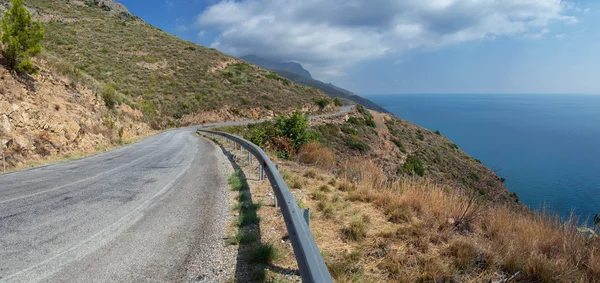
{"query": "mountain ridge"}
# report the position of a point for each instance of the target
(297, 77)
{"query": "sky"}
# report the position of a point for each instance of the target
(408, 46)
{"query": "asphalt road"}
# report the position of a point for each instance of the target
(137, 213)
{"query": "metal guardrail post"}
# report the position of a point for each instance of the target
(310, 261)
(249, 158)
(306, 214)
(262, 172)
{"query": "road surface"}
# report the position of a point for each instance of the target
(138, 213)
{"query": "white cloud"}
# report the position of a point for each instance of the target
(201, 33)
(537, 35)
(330, 35)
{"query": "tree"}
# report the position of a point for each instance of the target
(21, 37)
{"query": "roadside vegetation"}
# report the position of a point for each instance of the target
(378, 223)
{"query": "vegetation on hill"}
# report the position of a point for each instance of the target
(163, 76)
(21, 37)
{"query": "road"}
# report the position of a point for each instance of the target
(138, 213)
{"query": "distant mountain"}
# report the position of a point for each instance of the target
(301, 76)
(286, 66)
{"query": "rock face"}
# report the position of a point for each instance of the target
(53, 118)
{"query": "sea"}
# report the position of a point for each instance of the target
(547, 146)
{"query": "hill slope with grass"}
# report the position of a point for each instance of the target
(170, 80)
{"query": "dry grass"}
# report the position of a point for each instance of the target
(445, 234)
(317, 155)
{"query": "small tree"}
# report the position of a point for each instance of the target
(295, 127)
(21, 37)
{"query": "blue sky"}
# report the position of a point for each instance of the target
(409, 46)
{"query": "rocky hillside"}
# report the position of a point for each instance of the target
(45, 117)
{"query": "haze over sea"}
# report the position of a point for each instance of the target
(546, 146)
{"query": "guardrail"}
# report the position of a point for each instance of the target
(310, 262)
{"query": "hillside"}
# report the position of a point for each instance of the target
(108, 78)
(300, 77)
(170, 80)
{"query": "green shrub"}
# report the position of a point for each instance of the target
(371, 123)
(295, 127)
(347, 129)
(356, 121)
(110, 96)
(420, 135)
(356, 144)
(322, 102)
(438, 133)
(235, 181)
(21, 36)
(241, 237)
(474, 176)
(337, 102)
(414, 166)
(246, 218)
(264, 253)
(400, 145)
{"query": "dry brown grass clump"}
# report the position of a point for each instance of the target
(317, 155)
(445, 234)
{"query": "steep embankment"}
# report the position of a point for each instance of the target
(107, 76)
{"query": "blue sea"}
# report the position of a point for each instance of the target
(546, 146)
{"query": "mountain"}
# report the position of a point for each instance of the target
(292, 67)
(301, 76)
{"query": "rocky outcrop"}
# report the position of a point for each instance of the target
(53, 118)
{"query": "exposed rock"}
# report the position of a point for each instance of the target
(5, 126)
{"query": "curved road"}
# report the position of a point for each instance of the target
(138, 213)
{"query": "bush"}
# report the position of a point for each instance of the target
(420, 135)
(400, 145)
(414, 166)
(356, 144)
(110, 97)
(322, 102)
(295, 127)
(371, 123)
(356, 121)
(337, 102)
(21, 37)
